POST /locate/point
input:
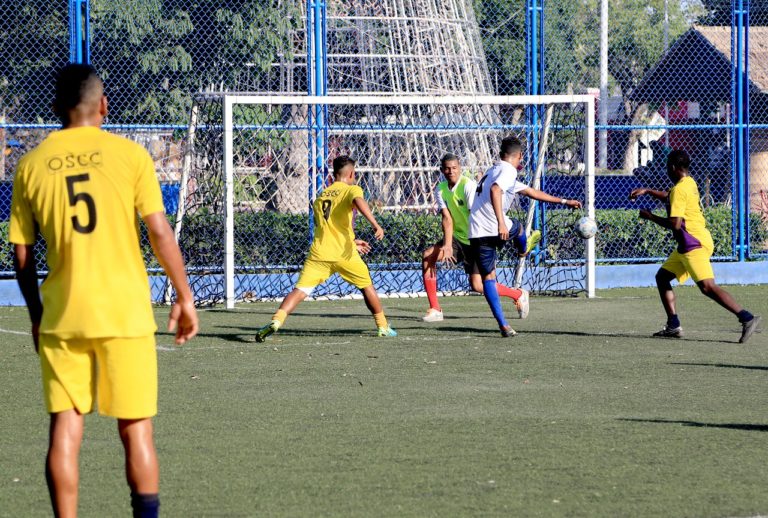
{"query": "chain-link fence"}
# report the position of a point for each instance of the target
(670, 81)
(397, 141)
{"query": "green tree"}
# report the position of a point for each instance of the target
(502, 30)
(34, 42)
(154, 54)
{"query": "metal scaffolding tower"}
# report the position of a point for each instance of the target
(405, 47)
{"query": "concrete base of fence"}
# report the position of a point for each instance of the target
(643, 275)
(407, 283)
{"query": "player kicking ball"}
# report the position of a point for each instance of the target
(694, 248)
(454, 210)
(334, 249)
(489, 226)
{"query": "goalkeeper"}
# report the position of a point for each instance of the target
(335, 250)
(454, 210)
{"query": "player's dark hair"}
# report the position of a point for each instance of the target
(510, 146)
(74, 83)
(340, 162)
(679, 159)
(448, 157)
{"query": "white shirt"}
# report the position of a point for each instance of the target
(482, 218)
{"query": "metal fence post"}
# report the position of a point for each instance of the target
(79, 28)
(740, 116)
(317, 86)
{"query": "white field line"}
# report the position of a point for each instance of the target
(12, 332)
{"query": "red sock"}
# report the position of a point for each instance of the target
(430, 284)
(504, 291)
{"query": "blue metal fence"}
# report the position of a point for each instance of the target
(679, 74)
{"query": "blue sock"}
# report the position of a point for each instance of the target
(145, 505)
(673, 322)
(492, 296)
(744, 316)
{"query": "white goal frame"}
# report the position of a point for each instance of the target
(233, 99)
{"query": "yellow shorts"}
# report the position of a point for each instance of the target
(353, 270)
(124, 370)
(693, 264)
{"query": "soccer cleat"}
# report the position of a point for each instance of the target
(267, 330)
(507, 331)
(433, 315)
(747, 328)
(523, 304)
(386, 332)
(533, 240)
(669, 332)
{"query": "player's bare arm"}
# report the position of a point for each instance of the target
(26, 276)
(446, 252)
(362, 206)
(642, 191)
(538, 195)
(673, 224)
(497, 209)
(183, 316)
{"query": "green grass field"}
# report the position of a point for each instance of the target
(581, 414)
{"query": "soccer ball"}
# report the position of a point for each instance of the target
(586, 227)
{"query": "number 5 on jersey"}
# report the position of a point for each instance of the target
(77, 197)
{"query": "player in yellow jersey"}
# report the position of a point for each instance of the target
(335, 250)
(694, 248)
(84, 190)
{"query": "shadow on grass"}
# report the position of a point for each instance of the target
(371, 333)
(723, 365)
(697, 424)
(621, 335)
(241, 338)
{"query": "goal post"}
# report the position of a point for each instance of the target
(254, 173)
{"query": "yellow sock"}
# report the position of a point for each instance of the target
(279, 317)
(381, 320)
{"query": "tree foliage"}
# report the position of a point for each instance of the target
(154, 54)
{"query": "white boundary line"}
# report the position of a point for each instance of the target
(12, 332)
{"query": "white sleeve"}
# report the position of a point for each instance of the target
(505, 180)
(517, 187)
(470, 189)
(440, 201)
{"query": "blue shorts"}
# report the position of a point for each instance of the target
(485, 252)
(485, 249)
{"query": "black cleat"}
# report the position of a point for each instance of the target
(748, 328)
(507, 331)
(669, 332)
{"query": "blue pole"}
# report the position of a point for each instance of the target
(87, 31)
(742, 144)
(73, 29)
(79, 29)
(534, 81)
(320, 89)
(735, 159)
(745, 122)
(317, 86)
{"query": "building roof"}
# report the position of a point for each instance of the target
(698, 67)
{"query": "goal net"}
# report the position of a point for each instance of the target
(254, 164)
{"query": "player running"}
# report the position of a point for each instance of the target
(84, 189)
(454, 210)
(490, 228)
(334, 249)
(694, 248)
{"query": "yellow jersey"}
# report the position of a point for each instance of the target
(82, 188)
(334, 238)
(684, 203)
